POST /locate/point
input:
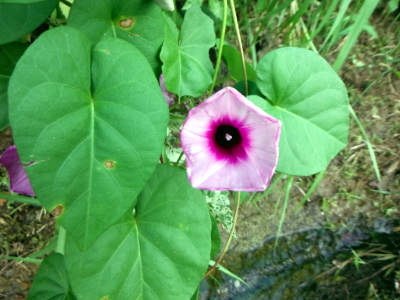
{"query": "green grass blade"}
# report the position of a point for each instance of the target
(289, 185)
(255, 196)
(362, 18)
(310, 42)
(23, 259)
(252, 44)
(369, 145)
(311, 190)
(326, 18)
(229, 273)
(221, 46)
(239, 40)
(338, 21)
(20, 199)
(272, 12)
(295, 19)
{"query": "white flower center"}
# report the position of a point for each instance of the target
(228, 137)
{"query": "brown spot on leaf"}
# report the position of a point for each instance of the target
(109, 164)
(126, 23)
(57, 211)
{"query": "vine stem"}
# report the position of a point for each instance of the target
(65, 2)
(221, 46)
(235, 21)
(20, 199)
(62, 233)
(228, 242)
(23, 259)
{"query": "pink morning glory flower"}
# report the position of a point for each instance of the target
(169, 97)
(19, 181)
(230, 144)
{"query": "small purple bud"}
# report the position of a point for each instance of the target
(169, 97)
(19, 181)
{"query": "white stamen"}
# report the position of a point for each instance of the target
(228, 137)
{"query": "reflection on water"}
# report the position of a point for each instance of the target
(290, 269)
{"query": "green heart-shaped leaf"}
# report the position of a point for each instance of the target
(160, 253)
(93, 124)
(310, 99)
(9, 55)
(17, 19)
(233, 59)
(51, 280)
(140, 22)
(187, 67)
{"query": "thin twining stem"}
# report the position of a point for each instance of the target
(221, 46)
(228, 243)
(69, 4)
(235, 21)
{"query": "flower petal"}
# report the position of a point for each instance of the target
(169, 97)
(230, 143)
(19, 181)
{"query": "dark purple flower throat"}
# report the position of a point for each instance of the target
(227, 136)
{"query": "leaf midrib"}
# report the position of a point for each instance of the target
(90, 181)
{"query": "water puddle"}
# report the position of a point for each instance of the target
(304, 265)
